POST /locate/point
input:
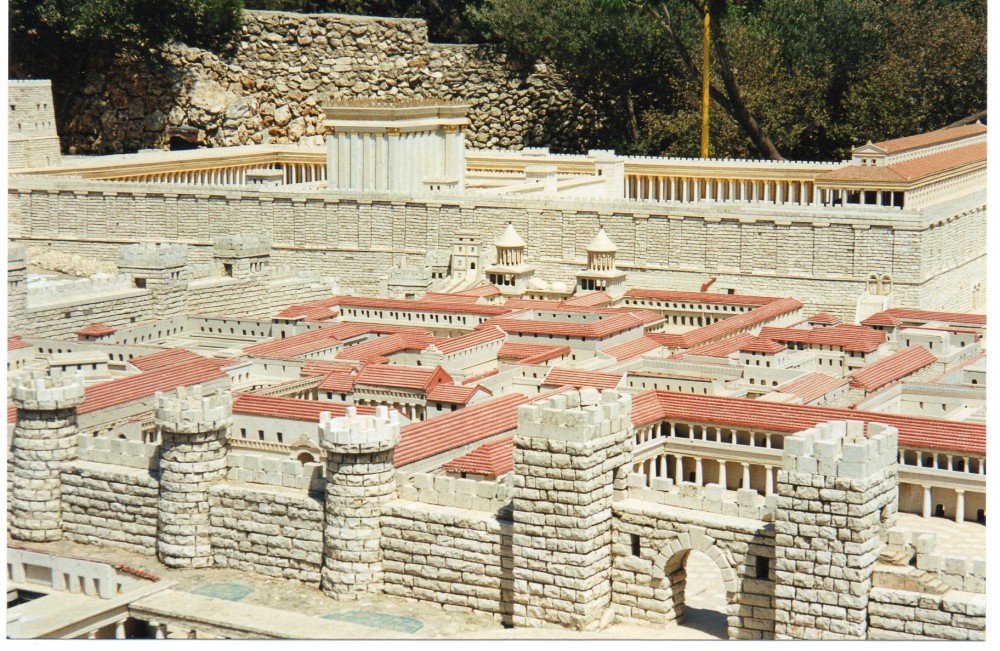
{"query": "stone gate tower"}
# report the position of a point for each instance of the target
(837, 493)
(44, 438)
(567, 451)
(360, 479)
(163, 270)
(192, 457)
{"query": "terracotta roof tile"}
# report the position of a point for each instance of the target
(291, 408)
(324, 367)
(939, 136)
(729, 326)
(300, 344)
(601, 329)
(144, 385)
(482, 290)
(892, 368)
(402, 377)
(95, 330)
(338, 381)
(824, 318)
(850, 338)
(492, 459)
(899, 315)
(164, 358)
(812, 386)
(381, 347)
(590, 299)
(421, 306)
(762, 345)
(914, 431)
(536, 353)
(910, 170)
(722, 348)
(312, 311)
(475, 338)
(457, 394)
(700, 297)
(567, 377)
(16, 343)
(449, 431)
(632, 348)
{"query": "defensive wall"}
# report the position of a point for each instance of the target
(578, 545)
(284, 63)
(936, 256)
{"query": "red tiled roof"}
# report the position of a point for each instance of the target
(480, 376)
(762, 345)
(909, 170)
(379, 349)
(889, 369)
(699, 297)
(567, 377)
(914, 431)
(492, 459)
(848, 337)
(722, 348)
(338, 381)
(824, 318)
(324, 367)
(291, 408)
(898, 315)
(590, 299)
(16, 343)
(481, 290)
(465, 299)
(164, 358)
(449, 431)
(939, 136)
(457, 394)
(421, 305)
(612, 325)
(136, 387)
(300, 344)
(311, 311)
(470, 340)
(729, 326)
(811, 386)
(537, 353)
(632, 348)
(95, 330)
(402, 377)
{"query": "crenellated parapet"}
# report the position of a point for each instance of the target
(837, 497)
(361, 479)
(44, 439)
(147, 255)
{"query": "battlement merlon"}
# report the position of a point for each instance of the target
(354, 434)
(147, 255)
(241, 246)
(842, 449)
(188, 411)
(40, 391)
(577, 416)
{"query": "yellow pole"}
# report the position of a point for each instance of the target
(705, 81)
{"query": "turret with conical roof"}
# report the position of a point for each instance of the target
(510, 247)
(509, 273)
(601, 273)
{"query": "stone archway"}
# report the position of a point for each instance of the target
(672, 559)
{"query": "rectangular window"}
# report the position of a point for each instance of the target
(636, 545)
(243, 432)
(763, 567)
(281, 437)
(260, 433)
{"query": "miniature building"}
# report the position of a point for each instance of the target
(379, 145)
(509, 273)
(601, 275)
(32, 140)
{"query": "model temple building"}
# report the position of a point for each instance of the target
(517, 384)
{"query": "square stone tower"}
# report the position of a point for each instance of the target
(163, 270)
(837, 496)
(567, 454)
(31, 125)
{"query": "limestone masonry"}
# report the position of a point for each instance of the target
(347, 346)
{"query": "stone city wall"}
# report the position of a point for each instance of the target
(660, 246)
(455, 557)
(902, 615)
(268, 470)
(284, 64)
(442, 490)
(271, 531)
(110, 505)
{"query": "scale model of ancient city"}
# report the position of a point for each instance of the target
(381, 383)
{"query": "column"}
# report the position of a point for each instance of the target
(768, 481)
(746, 475)
(722, 473)
(44, 438)
(678, 469)
(120, 630)
(959, 505)
(360, 480)
(698, 479)
(927, 502)
(193, 457)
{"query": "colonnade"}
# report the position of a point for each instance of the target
(690, 189)
(231, 175)
(414, 412)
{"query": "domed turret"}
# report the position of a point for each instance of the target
(601, 252)
(510, 247)
(601, 275)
